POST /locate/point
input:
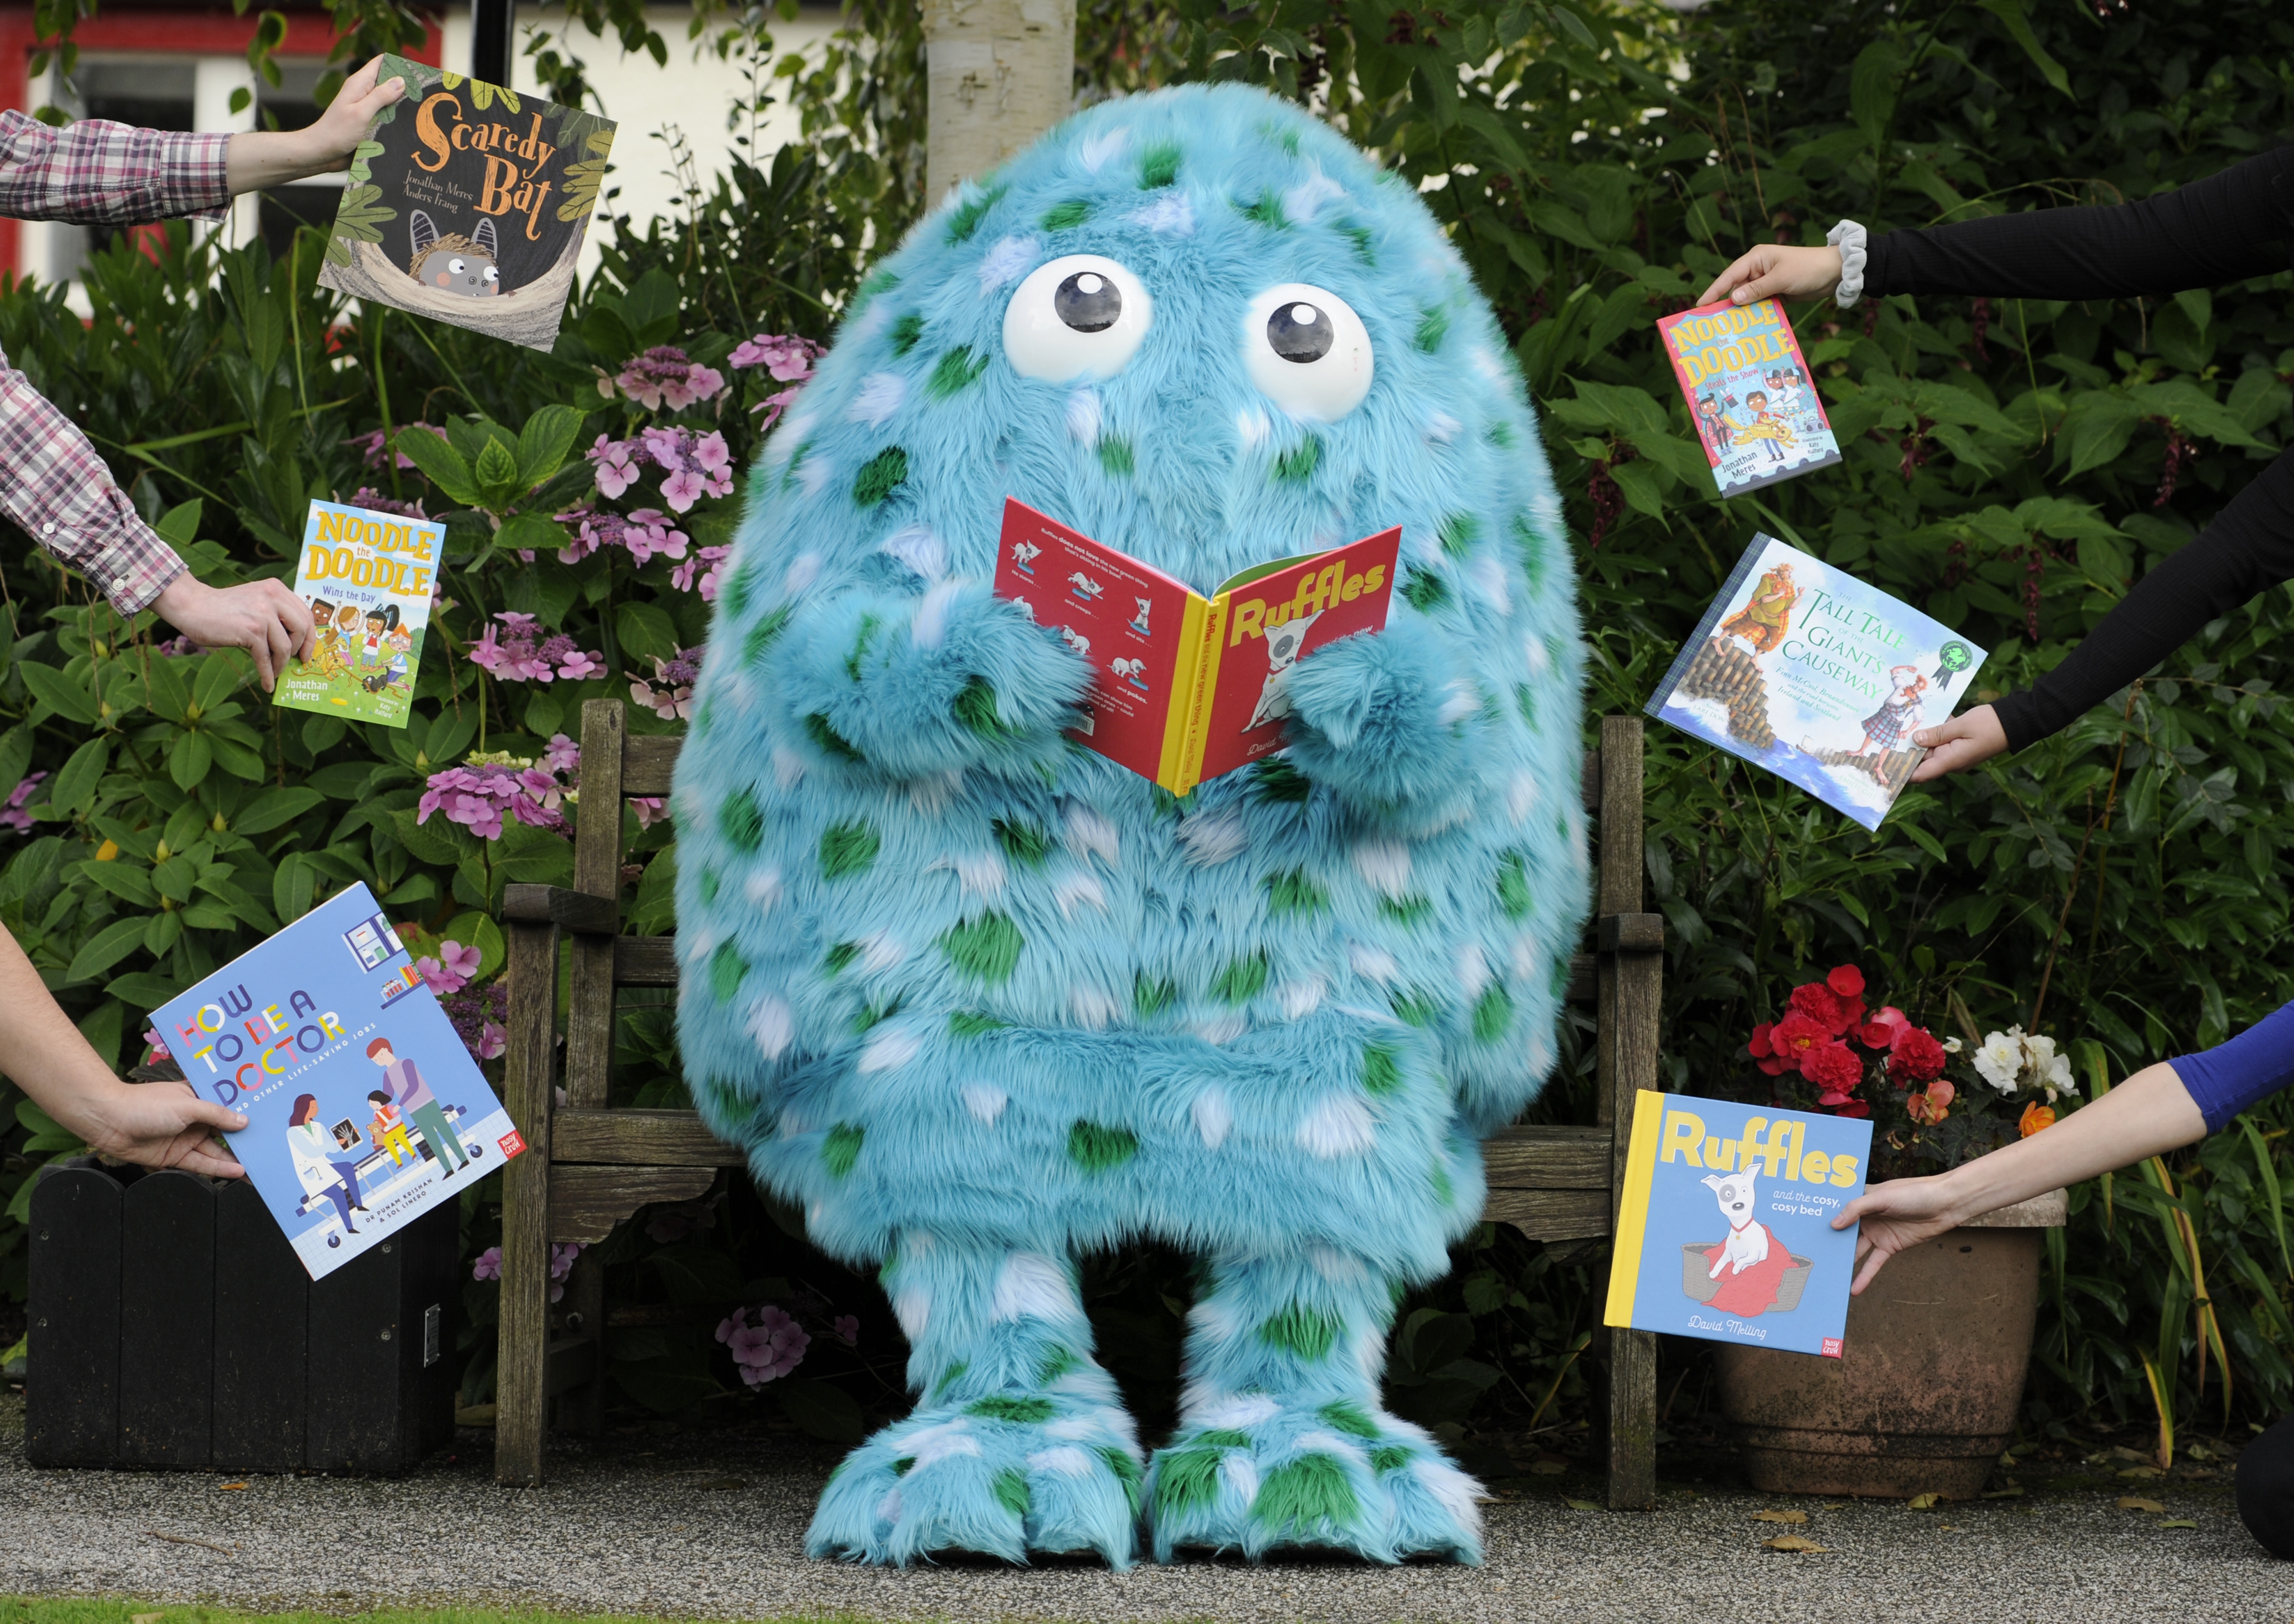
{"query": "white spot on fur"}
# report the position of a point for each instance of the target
(919, 547)
(773, 1026)
(1076, 887)
(1170, 214)
(1086, 829)
(1385, 864)
(1073, 1426)
(1300, 998)
(879, 953)
(813, 474)
(985, 1101)
(793, 433)
(933, 791)
(1252, 427)
(981, 873)
(929, 630)
(1489, 579)
(930, 1445)
(1441, 428)
(1233, 1413)
(1540, 1055)
(763, 891)
(1092, 1009)
(1473, 970)
(1528, 959)
(1217, 838)
(1006, 263)
(1462, 702)
(1486, 364)
(693, 947)
(1339, 1268)
(1521, 796)
(1240, 1474)
(1457, 1494)
(1304, 200)
(889, 1051)
(1084, 416)
(912, 1307)
(1065, 1461)
(888, 1509)
(1337, 1125)
(1329, 1443)
(788, 766)
(1032, 1286)
(794, 1124)
(1214, 1116)
(803, 570)
(1096, 151)
(1373, 963)
(1219, 1029)
(1533, 648)
(879, 396)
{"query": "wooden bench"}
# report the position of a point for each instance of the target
(588, 1167)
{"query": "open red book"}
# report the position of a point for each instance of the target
(1186, 688)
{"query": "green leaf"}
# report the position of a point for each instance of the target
(124, 881)
(220, 675)
(106, 948)
(496, 471)
(1871, 89)
(478, 931)
(164, 685)
(645, 631)
(824, 1410)
(266, 812)
(531, 531)
(15, 756)
(179, 526)
(440, 463)
(143, 991)
(437, 840)
(76, 784)
(188, 758)
(2019, 28)
(58, 693)
(293, 888)
(544, 441)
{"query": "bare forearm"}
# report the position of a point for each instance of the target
(261, 158)
(2149, 1112)
(40, 1049)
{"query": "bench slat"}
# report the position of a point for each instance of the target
(1551, 1214)
(1541, 1157)
(644, 961)
(639, 1139)
(585, 1203)
(647, 760)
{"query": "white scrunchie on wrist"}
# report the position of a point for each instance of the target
(1848, 237)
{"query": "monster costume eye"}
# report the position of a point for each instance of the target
(1306, 351)
(1079, 318)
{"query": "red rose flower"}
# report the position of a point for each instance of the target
(1854, 1108)
(1833, 1067)
(1794, 1035)
(1816, 1000)
(1758, 1047)
(1916, 1059)
(1848, 981)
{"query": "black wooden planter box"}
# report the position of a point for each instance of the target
(172, 1325)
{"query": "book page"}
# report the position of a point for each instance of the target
(367, 577)
(1805, 670)
(1750, 393)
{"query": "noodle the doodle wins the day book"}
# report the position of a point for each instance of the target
(367, 577)
(1187, 687)
(1750, 393)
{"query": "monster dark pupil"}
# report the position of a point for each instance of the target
(1089, 303)
(1300, 333)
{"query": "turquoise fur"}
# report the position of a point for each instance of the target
(981, 1000)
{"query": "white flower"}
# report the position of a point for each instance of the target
(1951, 1045)
(2000, 1061)
(2059, 1077)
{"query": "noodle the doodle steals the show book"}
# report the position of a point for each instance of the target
(1724, 1225)
(364, 1110)
(1186, 688)
(1803, 670)
(1750, 393)
(367, 577)
(466, 203)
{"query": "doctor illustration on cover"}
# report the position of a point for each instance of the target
(364, 1109)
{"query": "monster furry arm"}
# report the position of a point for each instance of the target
(1386, 721)
(913, 686)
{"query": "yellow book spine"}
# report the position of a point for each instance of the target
(1632, 1208)
(1170, 764)
(1199, 707)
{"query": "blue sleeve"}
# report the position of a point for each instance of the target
(2253, 1066)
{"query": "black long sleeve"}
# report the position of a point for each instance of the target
(2230, 227)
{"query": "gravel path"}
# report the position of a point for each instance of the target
(658, 1527)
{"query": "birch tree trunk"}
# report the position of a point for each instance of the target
(1001, 74)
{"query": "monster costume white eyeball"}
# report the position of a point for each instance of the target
(1307, 351)
(1079, 319)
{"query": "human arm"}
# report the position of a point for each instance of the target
(261, 158)
(160, 1124)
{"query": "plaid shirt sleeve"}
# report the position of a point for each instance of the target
(98, 173)
(56, 487)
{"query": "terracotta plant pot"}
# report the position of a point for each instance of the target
(1924, 1396)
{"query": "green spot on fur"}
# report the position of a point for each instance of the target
(842, 1148)
(1295, 893)
(1150, 997)
(1388, 1458)
(1513, 886)
(948, 1378)
(1409, 910)
(1415, 1009)
(966, 220)
(1382, 1069)
(1056, 1364)
(1556, 977)
(1532, 550)
(727, 971)
(1185, 1480)
(795, 461)
(986, 948)
(1241, 980)
(1306, 1333)
(1433, 327)
(1126, 1472)
(765, 633)
(733, 598)
(907, 332)
(709, 884)
(1444, 1191)
(957, 371)
(1266, 210)
(1012, 1491)
(904, 1466)
(1022, 842)
(1115, 457)
(1030, 1412)
(1097, 1148)
(1493, 1015)
(1459, 531)
(1160, 166)
(1068, 216)
(1526, 703)
(1312, 1491)
(1222, 1438)
(1365, 249)
(1501, 434)
(1297, 464)
(742, 823)
(880, 282)
(839, 957)
(971, 1023)
(1278, 780)
(870, 625)
(975, 709)
(873, 1016)
(1424, 589)
(880, 475)
(828, 741)
(1345, 1415)
(848, 849)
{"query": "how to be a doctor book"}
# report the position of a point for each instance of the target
(364, 1110)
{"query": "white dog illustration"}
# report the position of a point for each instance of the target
(1077, 641)
(1085, 588)
(1748, 1241)
(1025, 556)
(1132, 670)
(1139, 620)
(1282, 646)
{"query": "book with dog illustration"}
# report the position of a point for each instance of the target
(1805, 670)
(364, 1109)
(1750, 393)
(367, 578)
(467, 203)
(1187, 687)
(1724, 1228)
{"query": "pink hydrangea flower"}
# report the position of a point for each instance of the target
(616, 463)
(562, 755)
(440, 980)
(371, 448)
(562, 1257)
(663, 377)
(786, 358)
(847, 1329)
(577, 664)
(151, 1041)
(492, 1039)
(488, 1265)
(460, 961)
(13, 815)
(766, 1349)
(650, 809)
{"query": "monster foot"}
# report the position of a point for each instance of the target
(1254, 1475)
(999, 1476)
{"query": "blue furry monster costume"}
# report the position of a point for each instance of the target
(981, 1000)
